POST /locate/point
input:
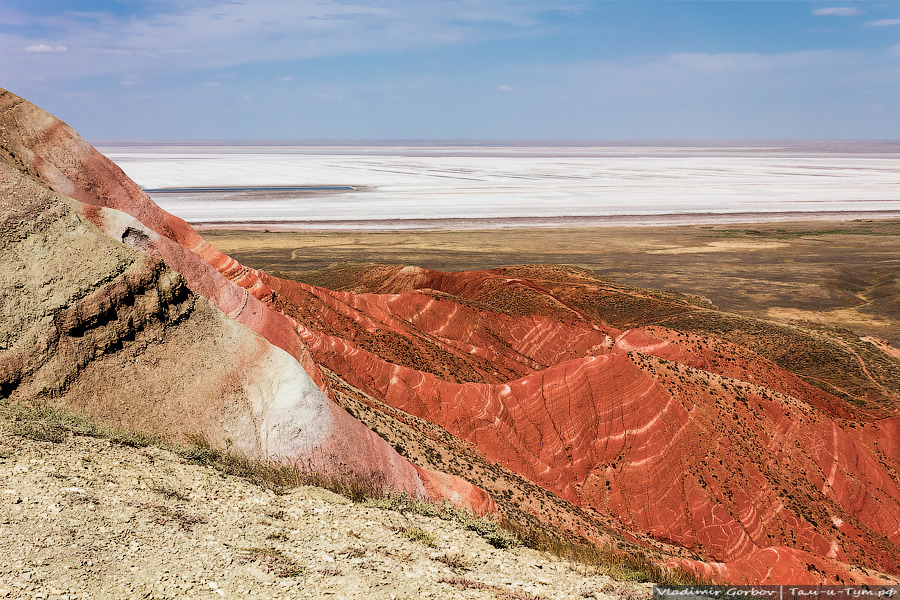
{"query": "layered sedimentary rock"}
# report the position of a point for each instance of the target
(121, 313)
(694, 447)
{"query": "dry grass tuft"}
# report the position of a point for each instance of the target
(168, 492)
(274, 561)
(49, 424)
(461, 583)
(464, 584)
(416, 534)
(40, 431)
(490, 529)
(455, 561)
(354, 553)
(130, 438)
(518, 595)
(280, 477)
(371, 489)
(622, 565)
(165, 515)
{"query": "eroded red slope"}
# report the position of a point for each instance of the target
(693, 440)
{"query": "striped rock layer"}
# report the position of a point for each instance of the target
(686, 439)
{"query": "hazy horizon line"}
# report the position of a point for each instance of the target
(716, 142)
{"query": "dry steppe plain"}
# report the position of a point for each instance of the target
(835, 273)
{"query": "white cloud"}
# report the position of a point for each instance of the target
(748, 62)
(287, 78)
(44, 48)
(179, 36)
(699, 75)
(504, 88)
(884, 22)
(838, 11)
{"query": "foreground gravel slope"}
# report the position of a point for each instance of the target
(86, 518)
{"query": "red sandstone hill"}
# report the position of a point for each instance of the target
(529, 383)
(686, 439)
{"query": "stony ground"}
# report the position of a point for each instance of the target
(87, 518)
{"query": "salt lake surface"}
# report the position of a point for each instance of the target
(439, 185)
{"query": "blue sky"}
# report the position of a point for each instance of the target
(458, 69)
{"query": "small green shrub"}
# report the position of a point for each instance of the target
(623, 565)
(488, 528)
(416, 534)
(130, 438)
(41, 431)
